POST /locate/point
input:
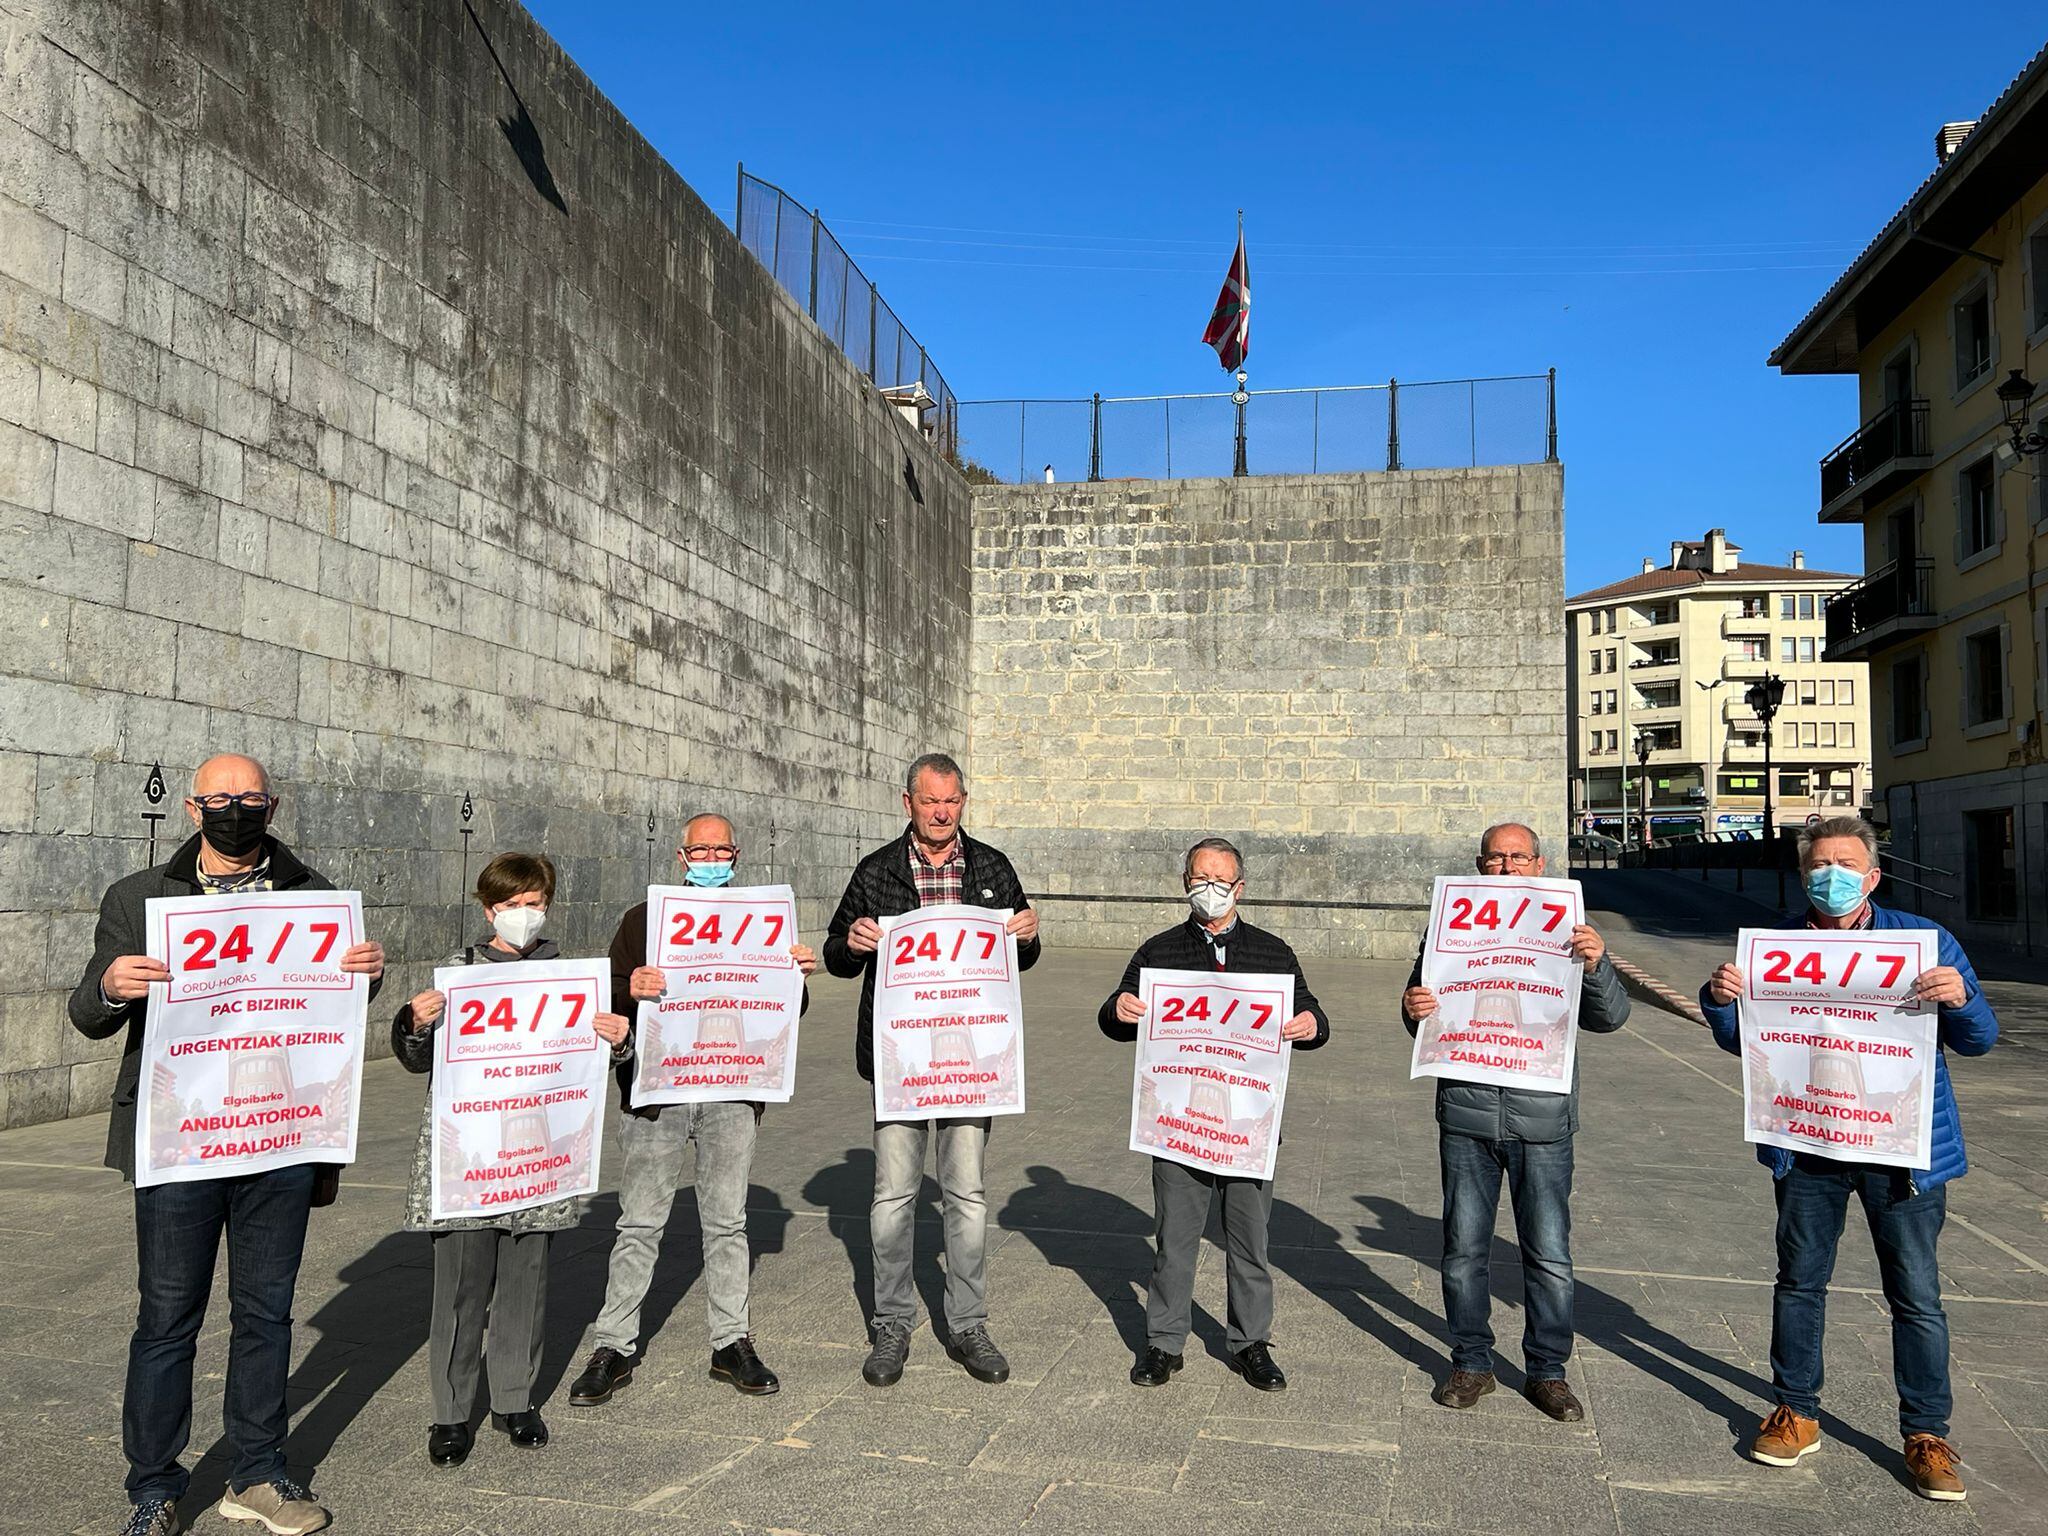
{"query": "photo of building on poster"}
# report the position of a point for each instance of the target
(529, 1148)
(960, 1062)
(722, 1043)
(216, 1097)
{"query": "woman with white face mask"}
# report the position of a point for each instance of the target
(487, 1267)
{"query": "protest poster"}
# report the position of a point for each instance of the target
(252, 1051)
(1497, 954)
(725, 1026)
(1211, 1074)
(519, 1075)
(1837, 1054)
(949, 1016)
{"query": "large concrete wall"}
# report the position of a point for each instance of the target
(1352, 674)
(325, 434)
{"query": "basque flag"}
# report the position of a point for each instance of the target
(1230, 326)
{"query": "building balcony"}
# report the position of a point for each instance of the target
(1744, 668)
(1733, 624)
(1885, 608)
(1875, 460)
(1643, 664)
(1737, 752)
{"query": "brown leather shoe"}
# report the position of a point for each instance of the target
(1464, 1388)
(1784, 1437)
(1555, 1399)
(1933, 1462)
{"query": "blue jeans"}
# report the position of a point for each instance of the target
(178, 1230)
(892, 1219)
(1539, 1175)
(1813, 1204)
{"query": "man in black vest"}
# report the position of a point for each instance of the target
(1486, 1133)
(933, 863)
(178, 1226)
(1214, 938)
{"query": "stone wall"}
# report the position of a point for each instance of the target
(1350, 674)
(439, 446)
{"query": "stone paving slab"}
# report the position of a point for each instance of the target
(1672, 1234)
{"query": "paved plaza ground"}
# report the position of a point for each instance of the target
(1672, 1238)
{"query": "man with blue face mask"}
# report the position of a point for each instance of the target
(1905, 1207)
(653, 1139)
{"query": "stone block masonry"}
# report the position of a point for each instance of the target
(326, 436)
(1348, 675)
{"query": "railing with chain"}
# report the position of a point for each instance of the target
(1439, 424)
(793, 243)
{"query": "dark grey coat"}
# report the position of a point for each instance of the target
(1519, 1114)
(121, 932)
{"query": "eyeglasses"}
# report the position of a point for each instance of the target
(1505, 860)
(716, 853)
(254, 800)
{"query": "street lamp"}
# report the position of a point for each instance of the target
(1765, 696)
(2014, 396)
(1644, 746)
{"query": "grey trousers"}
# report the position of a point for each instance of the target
(490, 1298)
(892, 1219)
(724, 1134)
(1180, 1202)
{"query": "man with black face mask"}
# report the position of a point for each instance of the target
(178, 1227)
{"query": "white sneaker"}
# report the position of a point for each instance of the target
(283, 1507)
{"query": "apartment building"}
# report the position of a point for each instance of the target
(1944, 322)
(1661, 664)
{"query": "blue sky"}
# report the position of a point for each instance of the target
(1647, 202)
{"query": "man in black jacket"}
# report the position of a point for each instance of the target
(178, 1226)
(1214, 938)
(931, 864)
(1486, 1133)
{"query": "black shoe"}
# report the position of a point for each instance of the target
(1555, 1399)
(738, 1364)
(1155, 1368)
(603, 1374)
(884, 1364)
(974, 1349)
(448, 1444)
(1461, 1389)
(154, 1517)
(1255, 1364)
(526, 1428)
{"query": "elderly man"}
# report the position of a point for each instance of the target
(178, 1227)
(1214, 938)
(1485, 1133)
(931, 864)
(653, 1138)
(1905, 1207)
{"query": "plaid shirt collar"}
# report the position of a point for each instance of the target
(1863, 918)
(939, 884)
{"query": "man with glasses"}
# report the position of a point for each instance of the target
(1485, 1133)
(653, 1139)
(931, 864)
(179, 1227)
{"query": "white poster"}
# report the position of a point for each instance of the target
(519, 1080)
(1498, 957)
(253, 1049)
(949, 1016)
(1211, 1074)
(1837, 1054)
(725, 1026)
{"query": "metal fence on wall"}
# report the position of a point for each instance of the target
(1439, 424)
(793, 243)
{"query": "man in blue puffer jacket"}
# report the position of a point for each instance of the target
(1904, 1207)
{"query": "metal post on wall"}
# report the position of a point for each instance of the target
(1472, 418)
(1550, 453)
(817, 223)
(1393, 424)
(1095, 438)
(739, 200)
(1315, 432)
(872, 317)
(1240, 397)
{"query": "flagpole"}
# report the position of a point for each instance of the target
(1240, 397)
